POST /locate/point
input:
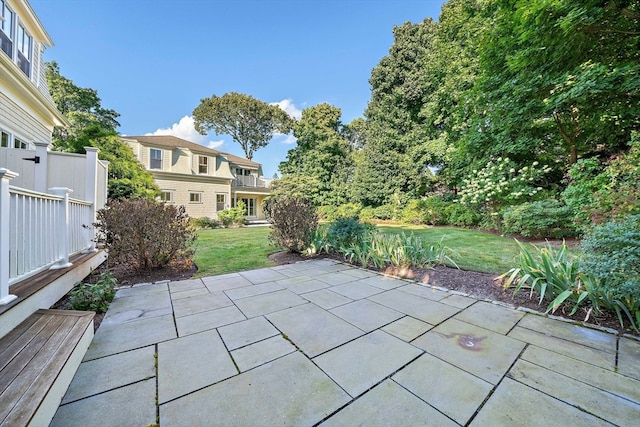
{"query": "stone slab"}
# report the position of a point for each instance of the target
(385, 405)
(197, 304)
(262, 275)
(258, 305)
(132, 405)
(336, 278)
(583, 396)
(491, 316)
(141, 289)
(249, 291)
(407, 328)
(424, 291)
(261, 352)
(190, 293)
(290, 391)
(588, 337)
(225, 282)
(586, 354)
(629, 358)
(478, 351)
(190, 363)
(604, 379)
(313, 329)
(111, 372)
(515, 404)
(356, 290)
(208, 320)
(459, 301)
(359, 273)
(383, 282)
(366, 315)
(247, 332)
(186, 285)
(307, 286)
(326, 298)
(415, 306)
(134, 308)
(362, 363)
(116, 338)
(450, 390)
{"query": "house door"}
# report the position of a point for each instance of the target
(250, 209)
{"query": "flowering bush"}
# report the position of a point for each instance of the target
(502, 183)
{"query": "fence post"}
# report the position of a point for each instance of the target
(91, 191)
(5, 213)
(62, 228)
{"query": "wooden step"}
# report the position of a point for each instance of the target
(38, 360)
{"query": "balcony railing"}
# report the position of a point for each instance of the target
(251, 181)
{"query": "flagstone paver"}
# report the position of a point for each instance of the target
(355, 348)
(366, 315)
(451, 390)
(583, 396)
(261, 352)
(189, 363)
(479, 351)
(290, 391)
(326, 298)
(247, 332)
(385, 405)
(362, 363)
(515, 404)
(313, 329)
(491, 316)
(407, 328)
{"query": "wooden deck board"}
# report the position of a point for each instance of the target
(27, 378)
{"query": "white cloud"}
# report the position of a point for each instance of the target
(184, 129)
(288, 106)
(290, 139)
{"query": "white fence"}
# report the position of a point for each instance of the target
(39, 231)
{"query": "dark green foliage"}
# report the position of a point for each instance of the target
(347, 210)
(612, 254)
(544, 218)
(430, 210)
(345, 232)
(460, 215)
(385, 212)
(204, 222)
(294, 221)
(144, 234)
(233, 217)
(94, 296)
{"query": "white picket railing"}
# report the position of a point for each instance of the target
(39, 231)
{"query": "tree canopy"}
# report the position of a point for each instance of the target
(250, 122)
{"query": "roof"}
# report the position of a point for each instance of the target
(170, 141)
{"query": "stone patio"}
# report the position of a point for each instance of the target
(320, 342)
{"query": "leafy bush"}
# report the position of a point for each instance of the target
(366, 214)
(94, 296)
(430, 210)
(612, 255)
(204, 222)
(345, 232)
(554, 274)
(233, 217)
(384, 212)
(145, 234)
(460, 215)
(294, 222)
(544, 218)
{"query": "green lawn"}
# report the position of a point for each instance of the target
(222, 251)
(474, 250)
(227, 250)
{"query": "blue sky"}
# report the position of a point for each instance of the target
(153, 60)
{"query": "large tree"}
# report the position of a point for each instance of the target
(250, 122)
(321, 161)
(92, 125)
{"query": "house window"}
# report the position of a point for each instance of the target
(6, 27)
(249, 206)
(24, 50)
(156, 159)
(203, 164)
(4, 139)
(18, 143)
(166, 196)
(195, 197)
(220, 202)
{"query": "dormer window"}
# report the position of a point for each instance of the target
(6, 29)
(203, 165)
(155, 159)
(25, 41)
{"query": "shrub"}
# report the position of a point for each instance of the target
(348, 210)
(231, 217)
(460, 215)
(384, 212)
(94, 296)
(543, 218)
(294, 222)
(366, 214)
(612, 254)
(204, 222)
(327, 213)
(345, 232)
(430, 210)
(145, 234)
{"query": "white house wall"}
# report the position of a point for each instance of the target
(18, 121)
(181, 188)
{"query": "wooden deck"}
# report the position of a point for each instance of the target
(37, 362)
